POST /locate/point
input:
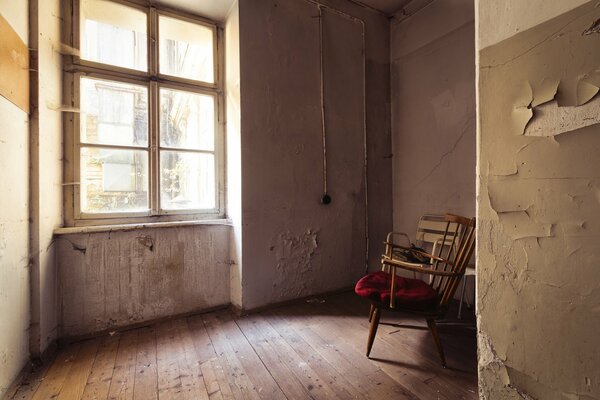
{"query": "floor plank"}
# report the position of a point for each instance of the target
(123, 378)
(74, 385)
(296, 378)
(98, 383)
(304, 350)
(214, 375)
(146, 371)
(192, 379)
(167, 355)
(57, 374)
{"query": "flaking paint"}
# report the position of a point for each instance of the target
(538, 214)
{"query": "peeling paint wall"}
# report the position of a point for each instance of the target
(538, 206)
(499, 20)
(433, 113)
(14, 175)
(114, 279)
(295, 246)
(46, 170)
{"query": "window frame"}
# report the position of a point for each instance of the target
(74, 68)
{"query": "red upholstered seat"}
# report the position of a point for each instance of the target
(413, 293)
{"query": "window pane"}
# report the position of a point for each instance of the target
(187, 120)
(113, 180)
(113, 113)
(113, 34)
(187, 180)
(186, 49)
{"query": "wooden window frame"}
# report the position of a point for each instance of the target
(74, 68)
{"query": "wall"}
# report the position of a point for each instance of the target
(234, 157)
(14, 175)
(499, 20)
(114, 279)
(46, 170)
(294, 246)
(433, 113)
(538, 200)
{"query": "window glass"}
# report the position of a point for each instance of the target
(113, 34)
(146, 143)
(113, 180)
(186, 49)
(187, 120)
(113, 113)
(187, 180)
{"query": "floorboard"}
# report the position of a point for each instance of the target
(304, 350)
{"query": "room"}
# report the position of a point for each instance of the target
(191, 190)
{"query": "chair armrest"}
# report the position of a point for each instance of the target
(390, 235)
(415, 267)
(423, 253)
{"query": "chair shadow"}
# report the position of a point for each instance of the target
(419, 368)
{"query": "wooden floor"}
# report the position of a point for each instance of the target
(308, 350)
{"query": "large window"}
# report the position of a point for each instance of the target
(145, 143)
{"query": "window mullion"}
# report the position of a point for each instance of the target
(154, 157)
(153, 42)
(154, 108)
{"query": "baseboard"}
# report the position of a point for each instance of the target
(246, 311)
(124, 328)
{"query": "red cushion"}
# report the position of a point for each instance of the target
(409, 292)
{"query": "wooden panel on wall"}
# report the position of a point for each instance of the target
(14, 67)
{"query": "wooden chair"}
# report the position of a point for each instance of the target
(430, 299)
(430, 233)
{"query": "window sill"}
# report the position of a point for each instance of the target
(145, 225)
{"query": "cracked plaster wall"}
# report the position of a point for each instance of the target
(14, 175)
(46, 171)
(293, 246)
(114, 279)
(538, 298)
(433, 113)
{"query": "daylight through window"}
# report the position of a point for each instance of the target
(145, 142)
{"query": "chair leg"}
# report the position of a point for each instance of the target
(462, 296)
(373, 329)
(371, 312)
(436, 338)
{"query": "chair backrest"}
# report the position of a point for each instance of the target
(457, 234)
(431, 229)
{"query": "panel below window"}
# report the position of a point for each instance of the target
(187, 181)
(113, 180)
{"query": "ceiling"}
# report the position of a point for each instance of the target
(217, 10)
(387, 6)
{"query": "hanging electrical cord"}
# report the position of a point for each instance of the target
(326, 199)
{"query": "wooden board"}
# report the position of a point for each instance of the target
(14, 67)
(299, 351)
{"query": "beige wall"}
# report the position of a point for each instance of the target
(46, 171)
(499, 20)
(14, 175)
(433, 113)
(538, 209)
(293, 245)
